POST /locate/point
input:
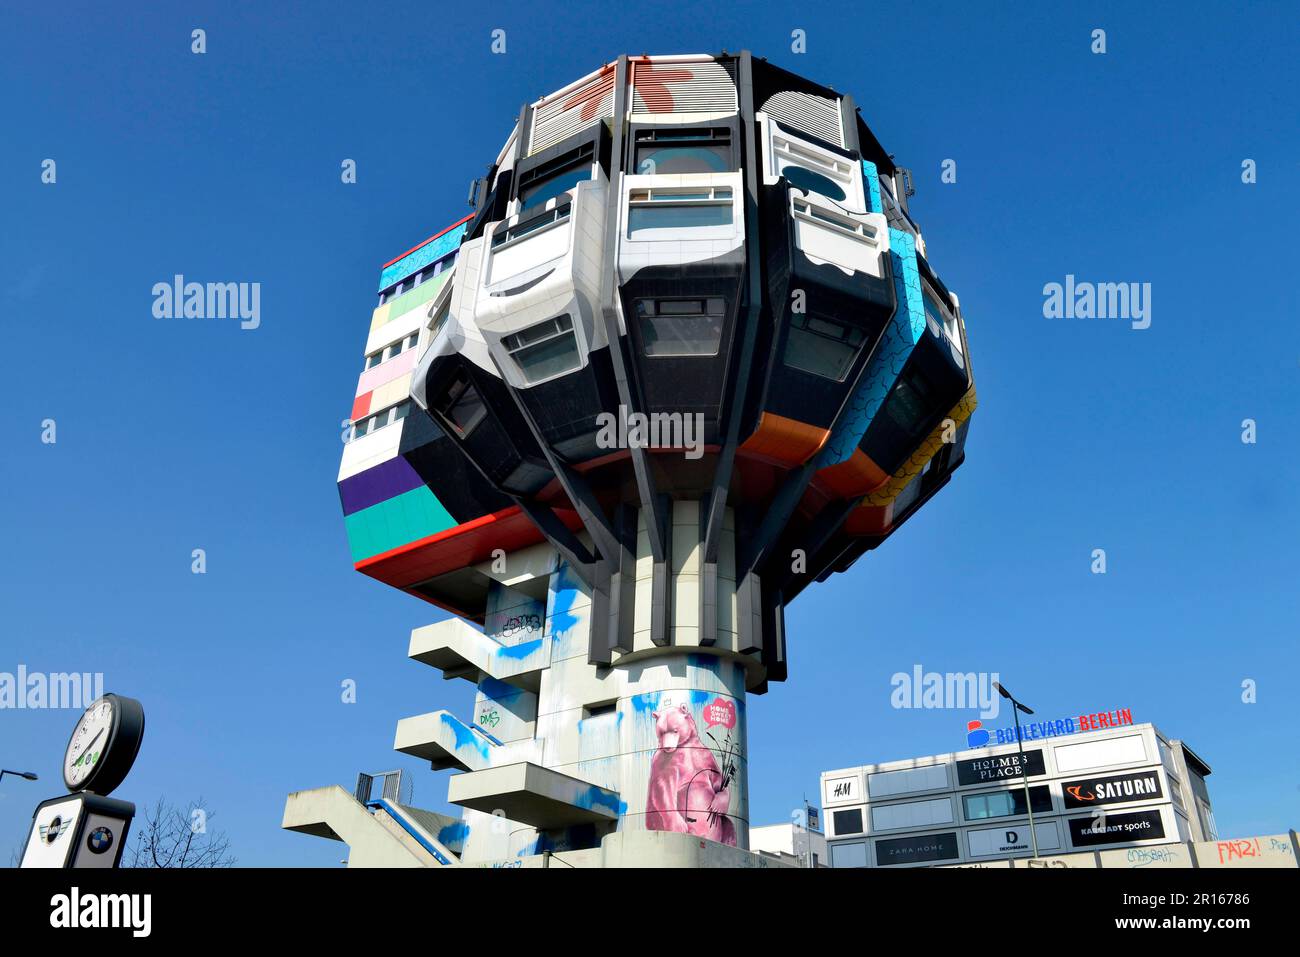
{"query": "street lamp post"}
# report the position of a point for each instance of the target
(30, 776)
(1016, 708)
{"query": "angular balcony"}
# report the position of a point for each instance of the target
(445, 741)
(460, 651)
(534, 795)
(383, 834)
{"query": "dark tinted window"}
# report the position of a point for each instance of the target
(661, 152)
(681, 327)
(848, 822)
(545, 350)
(1011, 803)
(561, 182)
(910, 404)
(461, 406)
(557, 176)
(822, 346)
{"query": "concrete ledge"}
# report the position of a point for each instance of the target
(460, 651)
(657, 849)
(334, 813)
(443, 740)
(671, 849)
(534, 795)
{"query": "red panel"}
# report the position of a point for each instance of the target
(426, 242)
(361, 406)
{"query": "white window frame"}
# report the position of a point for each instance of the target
(564, 326)
(406, 343)
(666, 197)
(558, 214)
(817, 215)
(387, 415)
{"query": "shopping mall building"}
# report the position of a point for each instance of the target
(1124, 786)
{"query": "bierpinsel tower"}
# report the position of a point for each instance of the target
(687, 357)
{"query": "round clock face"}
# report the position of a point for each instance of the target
(89, 743)
(103, 745)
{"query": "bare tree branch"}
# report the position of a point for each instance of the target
(169, 836)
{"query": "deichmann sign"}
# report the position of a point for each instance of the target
(914, 850)
(999, 768)
(1036, 730)
(989, 841)
(1116, 789)
(1116, 828)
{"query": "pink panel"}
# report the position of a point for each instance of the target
(372, 379)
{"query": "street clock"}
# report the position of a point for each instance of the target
(104, 745)
(86, 828)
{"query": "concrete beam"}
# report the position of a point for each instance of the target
(534, 795)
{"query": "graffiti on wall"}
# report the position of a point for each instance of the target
(689, 790)
(520, 624)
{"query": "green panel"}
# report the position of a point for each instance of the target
(399, 520)
(421, 294)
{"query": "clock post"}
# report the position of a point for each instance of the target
(86, 828)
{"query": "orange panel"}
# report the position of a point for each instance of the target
(852, 478)
(870, 519)
(785, 441)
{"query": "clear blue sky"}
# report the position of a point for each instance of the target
(181, 435)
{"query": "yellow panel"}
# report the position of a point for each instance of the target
(380, 317)
(959, 413)
(391, 392)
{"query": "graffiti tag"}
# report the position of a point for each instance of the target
(720, 712)
(520, 623)
(1142, 856)
(1241, 849)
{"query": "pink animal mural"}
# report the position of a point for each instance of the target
(688, 791)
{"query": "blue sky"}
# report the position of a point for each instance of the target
(1123, 167)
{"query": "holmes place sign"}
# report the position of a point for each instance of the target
(999, 768)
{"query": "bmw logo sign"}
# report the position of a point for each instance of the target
(100, 840)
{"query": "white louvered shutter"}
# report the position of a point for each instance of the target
(558, 117)
(701, 86)
(806, 113)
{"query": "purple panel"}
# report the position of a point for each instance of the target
(377, 485)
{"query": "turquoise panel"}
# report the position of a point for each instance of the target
(430, 252)
(872, 179)
(398, 521)
(900, 337)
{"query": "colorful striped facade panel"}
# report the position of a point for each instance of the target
(918, 460)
